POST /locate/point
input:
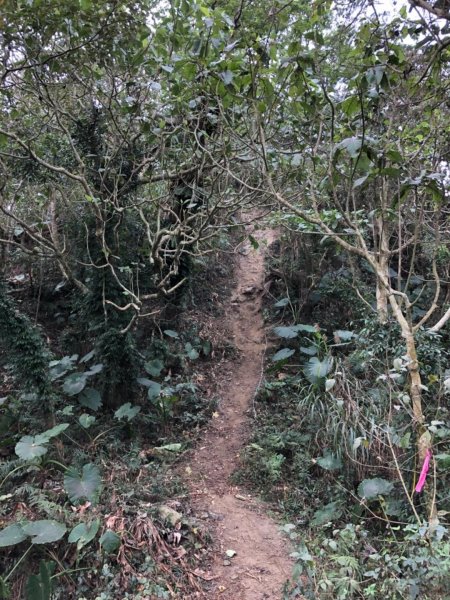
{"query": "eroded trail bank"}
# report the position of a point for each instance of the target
(261, 564)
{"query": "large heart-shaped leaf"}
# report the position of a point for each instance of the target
(286, 332)
(191, 352)
(45, 532)
(372, 488)
(12, 535)
(109, 541)
(329, 512)
(83, 486)
(154, 367)
(86, 420)
(352, 145)
(74, 384)
(90, 398)
(126, 411)
(83, 533)
(58, 368)
(316, 369)
(330, 462)
(27, 448)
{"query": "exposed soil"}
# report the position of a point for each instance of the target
(238, 522)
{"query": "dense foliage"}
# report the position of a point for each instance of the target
(133, 138)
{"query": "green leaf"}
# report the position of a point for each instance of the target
(58, 368)
(443, 460)
(109, 541)
(254, 242)
(12, 535)
(154, 389)
(330, 512)
(282, 354)
(169, 448)
(394, 156)
(286, 332)
(226, 77)
(171, 333)
(375, 74)
(360, 181)
(39, 587)
(27, 448)
(405, 440)
(330, 462)
(44, 437)
(351, 105)
(45, 532)
(309, 350)
(316, 369)
(90, 398)
(86, 420)
(94, 370)
(126, 411)
(74, 384)
(372, 488)
(344, 335)
(83, 533)
(329, 384)
(87, 357)
(144, 381)
(352, 145)
(306, 328)
(206, 347)
(191, 351)
(83, 486)
(154, 367)
(282, 303)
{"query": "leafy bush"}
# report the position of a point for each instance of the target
(23, 346)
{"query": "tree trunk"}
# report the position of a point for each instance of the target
(382, 269)
(415, 380)
(382, 292)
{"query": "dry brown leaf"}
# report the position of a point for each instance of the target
(206, 576)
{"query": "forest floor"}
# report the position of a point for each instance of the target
(260, 563)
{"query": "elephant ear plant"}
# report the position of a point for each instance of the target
(79, 486)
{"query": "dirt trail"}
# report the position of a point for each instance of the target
(261, 564)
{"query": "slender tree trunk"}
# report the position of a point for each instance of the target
(382, 234)
(415, 379)
(382, 292)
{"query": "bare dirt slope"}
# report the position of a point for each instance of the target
(261, 564)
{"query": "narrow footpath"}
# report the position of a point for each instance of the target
(261, 563)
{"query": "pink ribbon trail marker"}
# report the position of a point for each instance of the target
(424, 472)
